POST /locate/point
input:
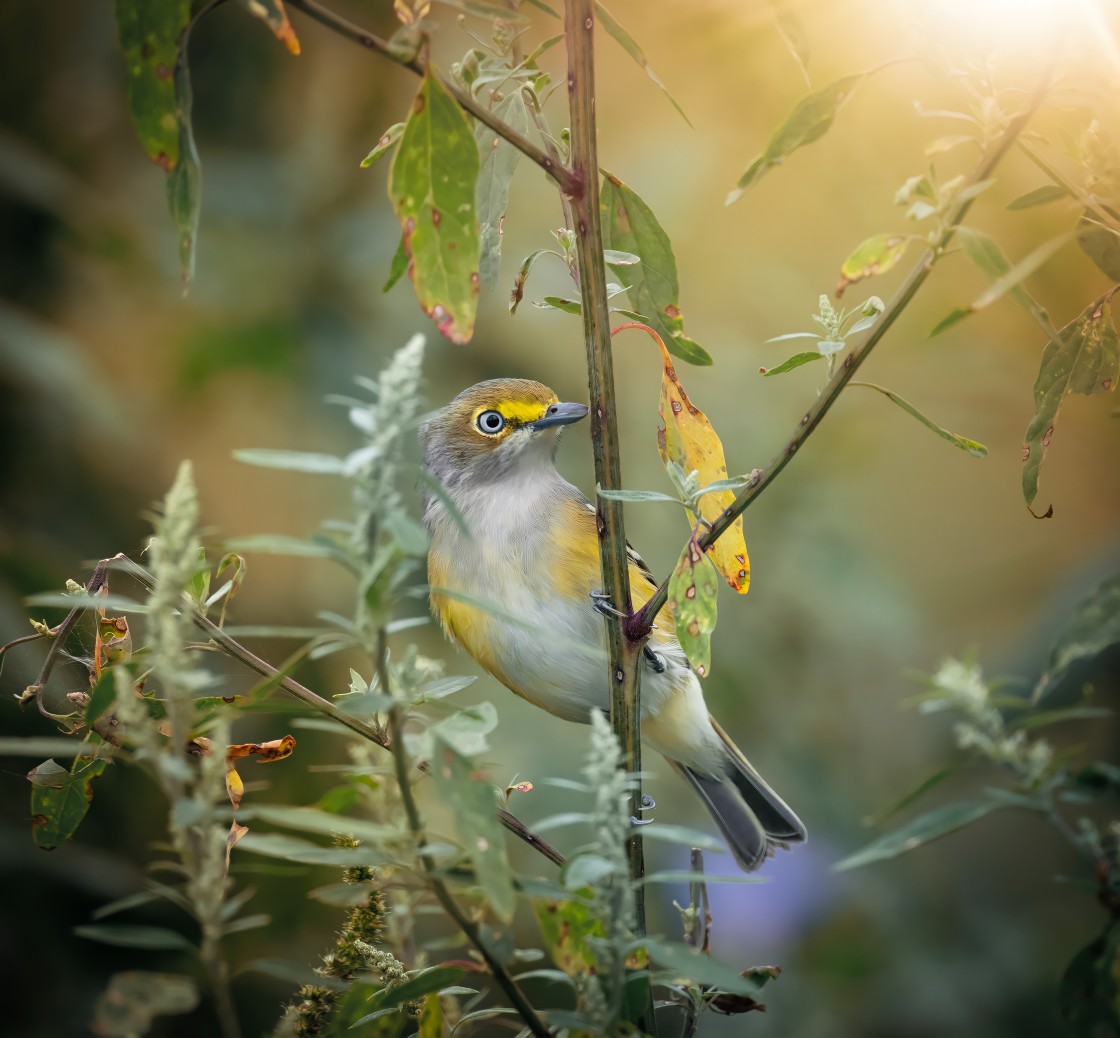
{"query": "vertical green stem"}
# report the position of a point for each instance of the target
(625, 653)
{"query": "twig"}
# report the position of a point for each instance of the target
(232, 647)
(642, 623)
(439, 888)
(561, 174)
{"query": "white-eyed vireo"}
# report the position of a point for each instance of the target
(532, 559)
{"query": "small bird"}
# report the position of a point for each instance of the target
(532, 555)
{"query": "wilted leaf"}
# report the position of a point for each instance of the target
(629, 225)
(630, 45)
(921, 830)
(808, 122)
(1039, 196)
(977, 450)
(689, 963)
(432, 188)
(1083, 358)
(57, 808)
(236, 833)
(133, 1000)
(566, 927)
(470, 797)
(693, 588)
(518, 292)
(498, 162)
(276, 749)
(876, 255)
(1101, 244)
(1093, 628)
(793, 34)
(686, 438)
(149, 33)
(794, 362)
(272, 13)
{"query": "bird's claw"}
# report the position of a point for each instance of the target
(655, 661)
(601, 603)
(648, 804)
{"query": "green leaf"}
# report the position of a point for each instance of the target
(629, 225)
(689, 963)
(152, 938)
(1093, 628)
(184, 184)
(875, 255)
(324, 823)
(292, 461)
(1049, 717)
(289, 848)
(1023, 269)
(432, 188)
(1083, 358)
(398, 267)
(472, 801)
(498, 163)
(683, 836)
(686, 876)
(384, 143)
(102, 695)
(133, 1000)
(923, 829)
(808, 122)
(465, 730)
(41, 746)
(149, 33)
(431, 1018)
(280, 544)
(944, 144)
(1101, 244)
(693, 588)
(569, 306)
(58, 808)
(630, 45)
(977, 450)
(909, 797)
(634, 496)
(793, 35)
(794, 362)
(954, 316)
(1039, 196)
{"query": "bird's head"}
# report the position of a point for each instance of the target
(494, 428)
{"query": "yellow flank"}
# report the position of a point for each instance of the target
(465, 625)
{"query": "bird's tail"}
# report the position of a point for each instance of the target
(753, 819)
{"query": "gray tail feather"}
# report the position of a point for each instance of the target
(753, 819)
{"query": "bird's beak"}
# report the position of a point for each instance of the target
(559, 414)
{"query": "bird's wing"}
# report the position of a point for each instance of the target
(640, 573)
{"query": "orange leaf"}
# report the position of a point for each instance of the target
(685, 436)
(235, 833)
(275, 749)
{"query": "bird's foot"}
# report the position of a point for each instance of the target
(655, 661)
(648, 804)
(601, 603)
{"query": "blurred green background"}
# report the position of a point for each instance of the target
(881, 548)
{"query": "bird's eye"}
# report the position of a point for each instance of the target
(491, 422)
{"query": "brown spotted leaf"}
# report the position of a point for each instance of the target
(685, 436)
(432, 188)
(875, 255)
(60, 799)
(275, 749)
(693, 589)
(1084, 358)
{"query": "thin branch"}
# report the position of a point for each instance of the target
(439, 888)
(565, 179)
(642, 623)
(232, 647)
(624, 677)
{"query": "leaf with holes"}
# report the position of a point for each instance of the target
(875, 255)
(498, 163)
(1083, 358)
(432, 188)
(808, 122)
(693, 588)
(272, 13)
(630, 226)
(466, 790)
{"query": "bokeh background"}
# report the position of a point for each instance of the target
(880, 550)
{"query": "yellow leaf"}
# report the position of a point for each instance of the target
(685, 436)
(234, 787)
